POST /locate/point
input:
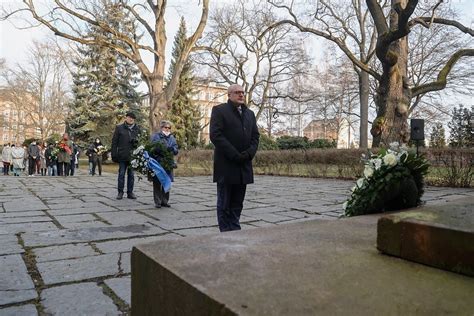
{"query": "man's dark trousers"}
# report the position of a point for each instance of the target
(124, 167)
(230, 201)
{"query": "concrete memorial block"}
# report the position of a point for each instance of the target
(308, 268)
(441, 236)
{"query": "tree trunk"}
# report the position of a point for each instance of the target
(364, 108)
(393, 94)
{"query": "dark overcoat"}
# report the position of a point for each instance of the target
(232, 134)
(123, 142)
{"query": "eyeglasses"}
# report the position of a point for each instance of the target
(167, 127)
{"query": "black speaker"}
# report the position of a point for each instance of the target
(417, 129)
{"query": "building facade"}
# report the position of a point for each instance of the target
(208, 94)
(331, 129)
(16, 123)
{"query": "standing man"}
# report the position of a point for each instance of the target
(33, 156)
(123, 141)
(234, 133)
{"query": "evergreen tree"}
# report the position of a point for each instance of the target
(184, 113)
(104, 85)
(438, 136)
(461, 128)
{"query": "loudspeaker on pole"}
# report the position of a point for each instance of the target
(417, 129)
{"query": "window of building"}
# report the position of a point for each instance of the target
(5, 137)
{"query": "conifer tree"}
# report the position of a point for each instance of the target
(183, 113)
(104, 85)
(438, 136)
(461, 128)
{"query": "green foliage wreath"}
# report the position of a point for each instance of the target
(392, 180)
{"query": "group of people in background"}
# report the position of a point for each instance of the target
(56, 159)
(60, 158)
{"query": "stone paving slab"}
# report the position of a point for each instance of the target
(88, 234)
(9, 245)
(63, 252)
(79, 269)
(23, 310)
(126, 245)
(27, 227)
(15, 283)
(121, 288)
(95, 229)
(77, 299)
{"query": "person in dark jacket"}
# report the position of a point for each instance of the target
(234, 133)
(33, 156)
(92, 154)
(99, 149)
(164, 136)
(124, 139)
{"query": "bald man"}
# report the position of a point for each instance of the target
(234, 133)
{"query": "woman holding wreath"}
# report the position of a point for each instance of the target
(164, 148)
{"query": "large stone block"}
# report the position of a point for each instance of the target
(440, 236)
(308, 268)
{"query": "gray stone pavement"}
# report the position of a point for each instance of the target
(65, 243)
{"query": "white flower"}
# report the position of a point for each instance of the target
(394, 146)
(138, 150)
(360, 182)
(344, 205)
(377, 163)
(354, 188)
(368, 172)
(390, 160)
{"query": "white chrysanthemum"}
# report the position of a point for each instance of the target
(377, 162)
(368, 171)
(394, 146)
(390, 160)
(138, 150)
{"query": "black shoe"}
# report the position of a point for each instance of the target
(131, 196)
(120, 196)
(157, 206)
(166, 205)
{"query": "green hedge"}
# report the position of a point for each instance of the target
(449, 167)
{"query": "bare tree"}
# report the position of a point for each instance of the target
(240, 53)
(346, 25)
(70, 19)
(38, 91)
(394, 93)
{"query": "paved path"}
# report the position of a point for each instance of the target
(65, 242)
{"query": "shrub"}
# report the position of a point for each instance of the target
(292, 142)
(267, 143)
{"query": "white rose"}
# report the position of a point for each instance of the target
(368, 172)
(390, 160)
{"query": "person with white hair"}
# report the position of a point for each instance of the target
(234, 133)
(167, 151)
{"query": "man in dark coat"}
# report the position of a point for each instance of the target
(234, 133)
(123, 142)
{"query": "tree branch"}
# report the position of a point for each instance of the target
(333, 39)
(441, 80)
(427, 21)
